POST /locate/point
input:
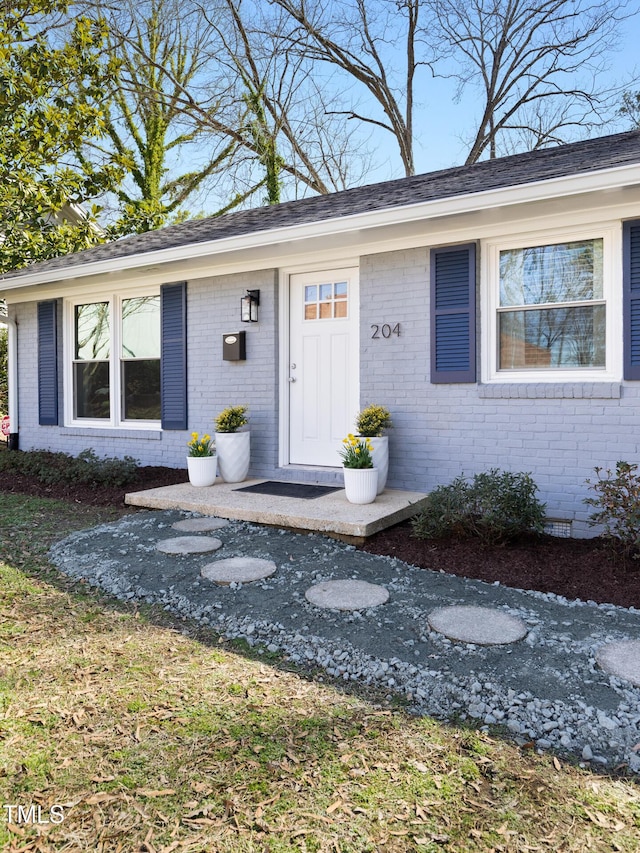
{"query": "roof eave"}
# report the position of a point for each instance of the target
(583, 182)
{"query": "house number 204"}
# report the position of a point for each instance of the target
(385, 330)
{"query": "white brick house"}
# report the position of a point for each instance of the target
(494, 309)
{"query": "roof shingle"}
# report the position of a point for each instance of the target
(580, 157)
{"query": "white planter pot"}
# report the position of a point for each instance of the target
(380, 456)
(233, 449)
(360, 484)
(202, 470)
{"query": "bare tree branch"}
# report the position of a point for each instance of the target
(359, 37)
(537, 58)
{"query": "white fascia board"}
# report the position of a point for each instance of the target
(606, 179)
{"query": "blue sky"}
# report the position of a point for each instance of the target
(441, 123)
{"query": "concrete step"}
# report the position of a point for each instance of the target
(331, 514)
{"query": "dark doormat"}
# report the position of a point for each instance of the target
(290, 490)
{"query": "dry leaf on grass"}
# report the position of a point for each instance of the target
(151, 792)
(102, 797)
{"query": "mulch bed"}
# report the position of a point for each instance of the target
(148, 478)
(575, 568)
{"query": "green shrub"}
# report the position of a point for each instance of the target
(494, 506)
(445, 512)
(617, 502)
(231, 419)
(50, 468)
(373, 421)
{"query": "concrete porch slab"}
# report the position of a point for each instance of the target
(331, 514)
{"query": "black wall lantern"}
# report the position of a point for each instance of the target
(249, 306)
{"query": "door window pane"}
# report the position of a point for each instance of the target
(341, 308)
(326, 301)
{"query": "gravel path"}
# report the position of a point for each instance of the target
(545, 688)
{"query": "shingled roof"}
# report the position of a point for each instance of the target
(592, 155)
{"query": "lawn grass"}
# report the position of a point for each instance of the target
(147, 734)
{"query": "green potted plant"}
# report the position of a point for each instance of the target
(360, 477)
(233, 446)
(371, 423)
(202, 462)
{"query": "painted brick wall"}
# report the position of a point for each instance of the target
(559, 433)
(213, 309)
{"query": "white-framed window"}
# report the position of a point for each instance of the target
(553, 307)
(112, 360)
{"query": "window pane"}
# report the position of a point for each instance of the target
(92, 331)
(310, 293)
(340, 288)
(91, 381)
(565, 272)
(341, 308)
(141, 327)
(141, 389)
(325, 291)
(325, 310)
(556, 337)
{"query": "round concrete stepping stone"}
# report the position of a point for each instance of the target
(200, 525)
(484, 626)
(189, 545)
(238, 570)
(346, 595)
(621, 659)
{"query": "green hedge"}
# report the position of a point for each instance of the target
(50, 468)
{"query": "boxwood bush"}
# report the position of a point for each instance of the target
(494, 506)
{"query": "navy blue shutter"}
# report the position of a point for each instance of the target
(47, 364)
(453, 314)
(173, 355)
(631, 298)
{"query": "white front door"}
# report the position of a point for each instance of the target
(323, 364)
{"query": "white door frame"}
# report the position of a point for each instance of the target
(284, 295)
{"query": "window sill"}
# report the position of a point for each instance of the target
(551, 390)
(111, 432)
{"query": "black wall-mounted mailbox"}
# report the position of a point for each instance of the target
(234, 347)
